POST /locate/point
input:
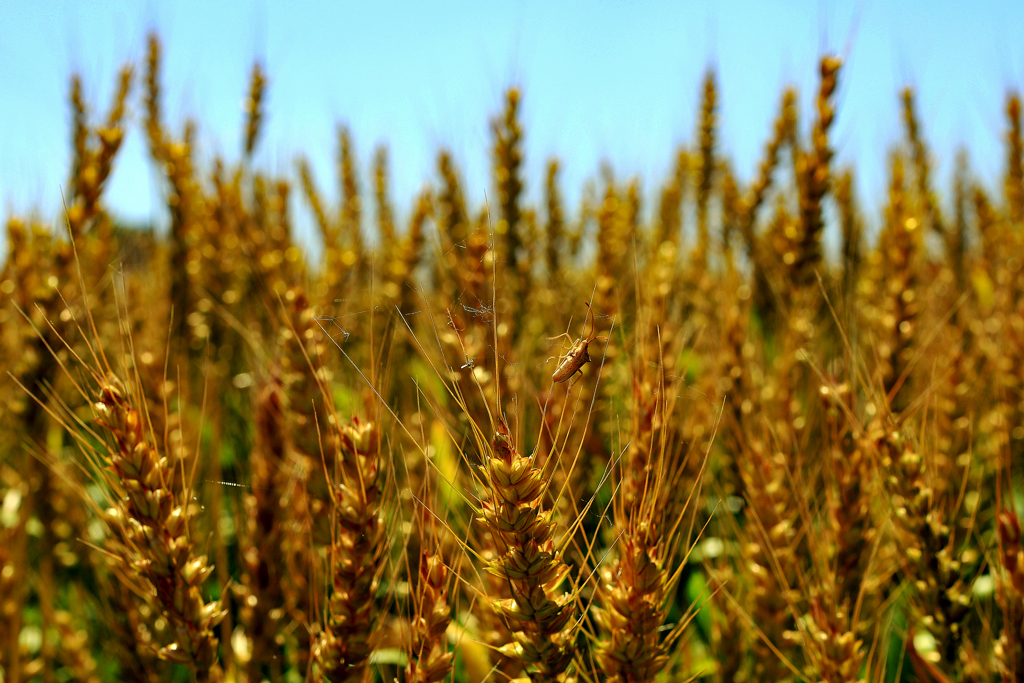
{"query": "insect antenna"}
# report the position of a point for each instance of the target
(593, 325)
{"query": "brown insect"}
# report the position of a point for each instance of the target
(579, 354)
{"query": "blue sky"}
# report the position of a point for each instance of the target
(616, 81)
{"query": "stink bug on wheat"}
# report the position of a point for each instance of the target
(579, 354)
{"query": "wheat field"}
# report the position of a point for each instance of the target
(643, 438)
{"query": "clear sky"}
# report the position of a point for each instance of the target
(616, 81)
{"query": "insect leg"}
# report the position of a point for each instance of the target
(593, 322)
(564, 334)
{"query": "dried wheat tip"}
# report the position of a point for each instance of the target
(94, 152)
(429, 658)
(814, 177)
(115, 117)
(901, 244)
(989, 227)
(611, 247)
(554, 228)
(774, 255)
(922, 165)
(111, 135)
(36, 262)
(928, 541)
(784, 126)
(956, 242)
(283, 220)
(154, 125)
(158, 545)
(216, 267)
(768, 552)
(852, 229)
(328, 232)
(673, 194)
(634, 205)
(385, 216)
(293, 266)
(736, 375)
(707, 133)
(585, 214)
(188, 213)
(639, 470)
(493, 629)
(638, 588)
(136, 625)
(731, 210)
(79, 130)
(1014, 181)
(849, 506)
(452, 216)
(351, 202)
(541, 619)
(833, 650)
(301, 344)
(262, 242)
(409, 254)
(312, 453)
(268, 519)
(530, 233)
(636, 606)
(508, 162)
(254, 107)
(355, 557)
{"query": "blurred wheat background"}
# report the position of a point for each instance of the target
(663, 378)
